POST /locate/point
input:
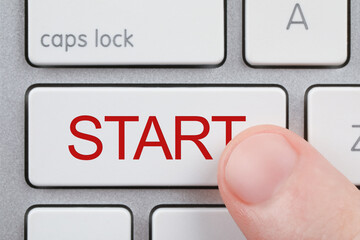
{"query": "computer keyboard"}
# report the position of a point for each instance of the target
(114, 113)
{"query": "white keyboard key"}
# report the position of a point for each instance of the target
(296, 33)
(125, 32)
(193, 223)
(333, 126)
(75, 223)
(139, 136)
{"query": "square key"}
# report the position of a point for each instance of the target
(193, 222)
(78, 222)
(306, 33)
(333, 126)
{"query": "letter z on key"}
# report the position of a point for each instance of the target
(129, 136)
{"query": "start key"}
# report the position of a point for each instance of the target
(139, 136)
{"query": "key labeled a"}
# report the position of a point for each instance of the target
(304, 33)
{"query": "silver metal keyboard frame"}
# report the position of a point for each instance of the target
(16, 75)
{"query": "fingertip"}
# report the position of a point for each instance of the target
(258, 166)
(269, 176)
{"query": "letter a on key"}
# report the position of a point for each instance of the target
(297, 8)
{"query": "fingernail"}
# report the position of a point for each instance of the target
(258, 166)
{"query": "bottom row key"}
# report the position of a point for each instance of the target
(78, 222)
(115, 222)
(200, 222)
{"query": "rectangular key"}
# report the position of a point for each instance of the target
(78, 222)
(333, 126)
(125, 32)
(304, 33)
(193, 223)
(118, 136)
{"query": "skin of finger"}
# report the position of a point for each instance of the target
(316, 202)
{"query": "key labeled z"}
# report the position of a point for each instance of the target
(356, 146)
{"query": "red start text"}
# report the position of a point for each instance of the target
(152, 122)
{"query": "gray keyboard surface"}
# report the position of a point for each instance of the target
(16, 76)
